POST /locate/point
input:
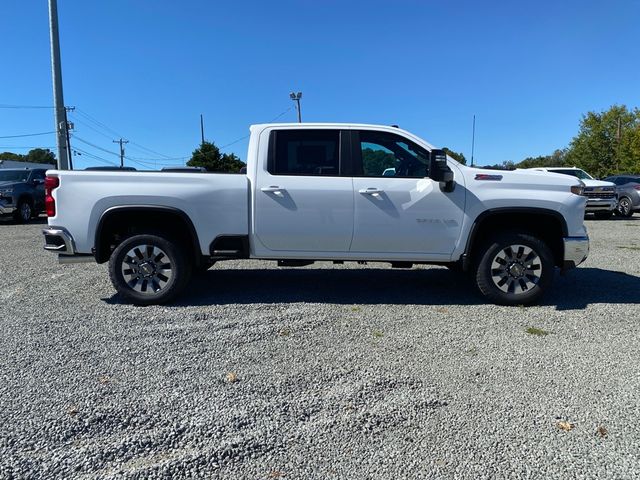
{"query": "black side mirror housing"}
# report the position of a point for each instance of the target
(439, 170)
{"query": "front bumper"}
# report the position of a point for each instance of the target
(576, 250)
(601, 204)
(7, 209)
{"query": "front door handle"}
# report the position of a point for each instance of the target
(273, 189)
(370, 191)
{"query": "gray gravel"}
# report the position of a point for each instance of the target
(321, 372)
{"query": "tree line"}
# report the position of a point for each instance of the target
(607, 143)
(36, 155)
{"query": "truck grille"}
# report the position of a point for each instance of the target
(599, 194)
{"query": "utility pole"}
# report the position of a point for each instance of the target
(58, 100)
(296, 98)
(121, 142)
(473, 138)
(202, 129)
(69, 127)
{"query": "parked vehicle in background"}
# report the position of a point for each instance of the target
(22, 192)
(322, 192)
(628, 190)
(601, 195)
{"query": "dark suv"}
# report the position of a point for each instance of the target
(22, 192)
(628, 188)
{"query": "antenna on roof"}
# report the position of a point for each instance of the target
(473, 138)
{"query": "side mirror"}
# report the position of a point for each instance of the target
(439, 170)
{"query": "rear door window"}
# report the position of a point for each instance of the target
(305, 152)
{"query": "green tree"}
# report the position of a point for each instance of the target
(11, 156)
(608, 142)
(556, 159)
(40, 155)
(37, 155)
(456, 156)
(209, 157)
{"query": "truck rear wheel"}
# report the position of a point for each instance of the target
(514, 269)
(149, 269)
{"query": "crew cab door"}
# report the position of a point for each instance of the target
(302, 204)
(397, 207)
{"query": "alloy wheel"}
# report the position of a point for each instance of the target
(516, 269)
(147, 269)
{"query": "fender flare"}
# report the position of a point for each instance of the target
(475, 227)
(193, 234)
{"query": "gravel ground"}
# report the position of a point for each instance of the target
(320, 372)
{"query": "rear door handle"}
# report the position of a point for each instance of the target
(273, 189)
(370, 191)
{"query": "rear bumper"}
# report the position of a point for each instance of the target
(601, 204)
(60, 241)
(576, 250)
(57, 239)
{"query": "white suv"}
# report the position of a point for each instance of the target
(601, 196)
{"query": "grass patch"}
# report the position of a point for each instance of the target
(536, 331)
(355, 309)
(378, 333)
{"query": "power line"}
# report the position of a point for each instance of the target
(91, 155)
(25, 147)
(27, 135)
(96, 146)
(247, 136)
(3, 105)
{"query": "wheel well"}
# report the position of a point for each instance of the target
(25, 197)
(120, 223)
(547, 227)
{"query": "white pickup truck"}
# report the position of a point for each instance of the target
(322, 192)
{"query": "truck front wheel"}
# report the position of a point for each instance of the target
(149, 269)
(514, 269)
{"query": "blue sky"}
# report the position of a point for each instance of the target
(147, 69)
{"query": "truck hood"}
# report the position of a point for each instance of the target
(10, 183)
(526, 178)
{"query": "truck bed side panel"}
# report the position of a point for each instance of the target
(216, 203)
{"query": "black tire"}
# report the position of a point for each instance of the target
(498, 269)
(625, 207)
(154, 274)
(603, 215)
(24, 212)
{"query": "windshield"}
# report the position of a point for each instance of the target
(14, 175)
(581, 174)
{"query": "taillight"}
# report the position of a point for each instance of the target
(50, 184)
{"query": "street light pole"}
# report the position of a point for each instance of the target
(296, 98)
(58, 100)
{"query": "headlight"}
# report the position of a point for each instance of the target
(577, 189)
(6, 191)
